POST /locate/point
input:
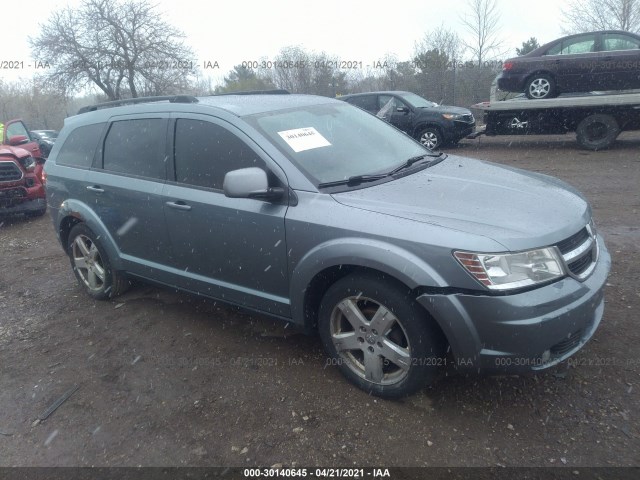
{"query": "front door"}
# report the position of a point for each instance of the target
(229, 248)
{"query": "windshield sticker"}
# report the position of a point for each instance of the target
(301, 139)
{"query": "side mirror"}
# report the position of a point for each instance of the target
(250, 183)
(18, 140)
(402, 109)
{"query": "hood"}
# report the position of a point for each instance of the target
(446, 109)
(517, 209)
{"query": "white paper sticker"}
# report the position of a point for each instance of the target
(301, 139)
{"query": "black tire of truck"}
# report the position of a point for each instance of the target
(597, 132)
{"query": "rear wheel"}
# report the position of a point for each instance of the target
(540, 86)
(91, 265)
(379, 337)
(597, 132)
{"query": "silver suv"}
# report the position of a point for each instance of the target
(313, 211)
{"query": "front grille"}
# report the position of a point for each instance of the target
(9, 172)
(579, 266)
(573, 241)
(580, 252)
(567, 344)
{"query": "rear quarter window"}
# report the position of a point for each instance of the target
(80, 146)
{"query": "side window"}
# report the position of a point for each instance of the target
(582, 44)
(80, 146)
(366, 102)
(616, 41)
(205, 152)
(136, 147)
(17, 128)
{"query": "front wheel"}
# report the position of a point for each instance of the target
(91, 265)
(379, 337)
(431, 138)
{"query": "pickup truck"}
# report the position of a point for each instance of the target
(21, 175)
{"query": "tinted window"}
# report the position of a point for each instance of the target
(80, 146)
(205, 152)
(136, 147)
(616, 41)
(368, 102)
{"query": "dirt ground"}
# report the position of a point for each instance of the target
(169, 379)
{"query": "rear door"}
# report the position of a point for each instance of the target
(125, 190)
(229, 248)
(578, 64)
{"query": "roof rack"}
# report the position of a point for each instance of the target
(130, 101)
(280, 91)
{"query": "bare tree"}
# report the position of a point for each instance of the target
(588, 15)
(482, 23)
(123, 47)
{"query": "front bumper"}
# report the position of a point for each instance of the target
(459, 130)
(25, 206)
(523, 332)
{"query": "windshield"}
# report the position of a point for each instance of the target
(336, 141)
(417, 101)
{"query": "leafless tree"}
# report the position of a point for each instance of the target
(122, 47)
(481, 21)
(588, 15)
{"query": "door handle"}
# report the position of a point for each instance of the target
(95, 188)
(179, 205)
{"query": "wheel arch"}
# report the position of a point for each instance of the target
(421, 126)
(332, 260)
(73, 212)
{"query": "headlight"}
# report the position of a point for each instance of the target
(451, 116)
(506, 271)
(28, 163)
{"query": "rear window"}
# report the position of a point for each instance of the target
(80, 146)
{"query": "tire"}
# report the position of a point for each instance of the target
(597, 132)
(91, 265)
(540, 86)
(431, 137)
(400, 356)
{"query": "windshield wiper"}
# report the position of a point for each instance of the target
(438, 156)
(358, 179)
(354, 180)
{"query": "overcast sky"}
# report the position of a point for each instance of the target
(231, 32)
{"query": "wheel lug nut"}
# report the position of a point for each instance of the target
(380, 344)
(361, 340)
(374, 331)
(362, 329)
(371, 349)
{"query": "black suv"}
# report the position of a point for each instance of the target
(432, 124)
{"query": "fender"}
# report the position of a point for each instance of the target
(82, 212)
(390, 259)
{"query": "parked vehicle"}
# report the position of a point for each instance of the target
(16, 134)
(604, 60)
(46, 139)
(431, 124)
(394, 253)
(21, 183)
